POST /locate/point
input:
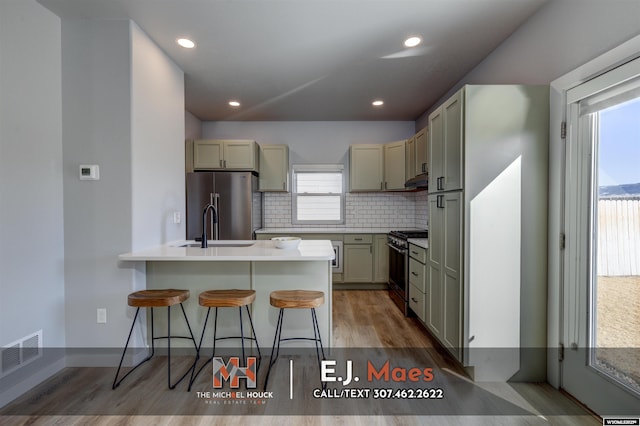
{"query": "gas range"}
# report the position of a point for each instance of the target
(399, 238)
(399, 265)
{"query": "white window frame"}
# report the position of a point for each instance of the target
(317, 168)
(557, 159)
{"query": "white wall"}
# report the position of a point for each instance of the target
(192, 126)
(31, 209)
(123, 109)
(157, 144)
(97, 130)
(561, 36)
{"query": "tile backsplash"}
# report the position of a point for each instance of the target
(363, 210)
(422, 210)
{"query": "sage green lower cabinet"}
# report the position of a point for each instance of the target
(416, 301)
(418, 281)
(380, 259)
(365, 257)
(358, 263)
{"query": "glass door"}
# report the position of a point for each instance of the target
(601, 291)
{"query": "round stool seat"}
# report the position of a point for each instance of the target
(296, 298)
(156, 298)
(226, 298)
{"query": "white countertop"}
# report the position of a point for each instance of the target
(327, 230)
(420, 242)
(257, 251)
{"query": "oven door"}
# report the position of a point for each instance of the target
(398, 268)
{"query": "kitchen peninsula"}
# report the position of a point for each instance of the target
(240, 264)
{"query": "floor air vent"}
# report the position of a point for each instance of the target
(20, 353)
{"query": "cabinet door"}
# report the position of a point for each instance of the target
(358, 263)
(452, 272)
(435, 151)
(394, 165)
(240, 155)
(207, 154)
(421, 148)
(381, 259)
(452, 111)
(433, 293)
(274, 168)
(410, 158)
(366, 167)
(416, 302)
(417, 274)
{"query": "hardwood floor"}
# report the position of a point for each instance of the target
(367, 326)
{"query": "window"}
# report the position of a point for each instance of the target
(318, 194)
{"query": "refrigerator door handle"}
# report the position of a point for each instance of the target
(211, 216)
(216, 226)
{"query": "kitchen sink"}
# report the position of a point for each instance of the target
(222, 244)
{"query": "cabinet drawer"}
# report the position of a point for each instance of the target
(416, 301)
(416, 274)
(330, 237)
(418, 253)
(358, 238)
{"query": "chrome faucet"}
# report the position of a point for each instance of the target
(204, 223)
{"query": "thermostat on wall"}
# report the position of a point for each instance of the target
(90, 172)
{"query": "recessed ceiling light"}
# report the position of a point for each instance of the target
(234, 103)
(186, 43)
(412, 41)
(377, 103)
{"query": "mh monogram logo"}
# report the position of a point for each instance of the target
(232, 370)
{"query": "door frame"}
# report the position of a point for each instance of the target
(557, 162)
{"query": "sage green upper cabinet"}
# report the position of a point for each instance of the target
(410, 158)
(421, 148)
(366, 167)
(215, 154)
(446, 153)
(208, 154)
(394, 165)
(453, 140)
(274, 168)
(436, 150)
(378, 167)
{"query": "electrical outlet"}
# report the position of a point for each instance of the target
(102, 315)
(176, 217)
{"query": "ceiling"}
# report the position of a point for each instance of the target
(316, 60)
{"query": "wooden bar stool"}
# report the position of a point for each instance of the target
(225, 299)
(156, 299)
(295, 299)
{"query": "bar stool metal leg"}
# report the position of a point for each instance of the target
(277, 339)
(117, 382)
(318, 339)
(253, 331)
(242, 338)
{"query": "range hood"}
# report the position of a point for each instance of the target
(418, 183)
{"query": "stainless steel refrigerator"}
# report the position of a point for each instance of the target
(237, 200)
